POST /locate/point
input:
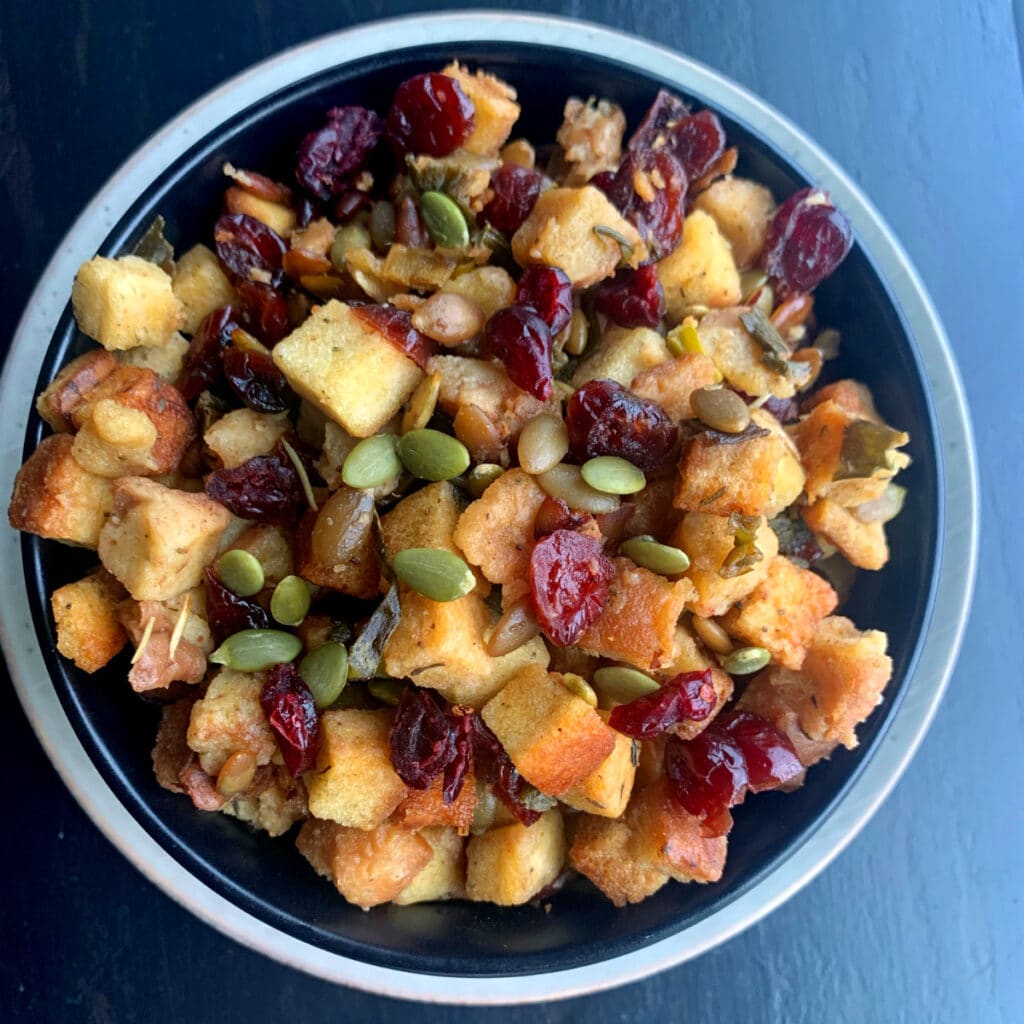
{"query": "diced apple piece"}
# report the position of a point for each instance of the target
(271, 545)
(164, 360)
(739, 358)
(491, 288)
(242, 434)
(742, 209)
(278, 217)
(335, 546)
(89, 631)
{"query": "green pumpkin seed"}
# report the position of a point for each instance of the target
(253, 650)
(325, 671)
(579, 687)
(431, 455)
(290, 601)
(720, 409)
(660, 558)
(745, 660)
(434, 573)
(372, 463)
(444, 220)
(481, 477)
(387, 691)
(618, 683)
(241, 572)
(566, 482)
(612, 475)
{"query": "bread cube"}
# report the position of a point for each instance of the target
(599, 852)
(606, 790)
(444, 875)
(271, 545)
(783, 612)
(164, 360)
(742, 209)
(115, 441)
(425, 519)
(125, 303)
(739, 358)
(201, 286)
(70, 387)
(692, 657)
(512, 864)
(862, 544)
(622, 354)
(590, 137)
(278, 217)
(560, 232)
(272, 807)
(158, 541)
(347, 368)
(368, 867)
(671, 383)
(242, 434)
(850, 395)
(701, 270)
(89, 631)
(554, 738)
(423, 808)
(354, 783)
(491, 288)
(57, 499)
(494, 103)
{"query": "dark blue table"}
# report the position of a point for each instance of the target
(920, 920)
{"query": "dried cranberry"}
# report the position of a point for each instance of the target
(493, 765)
(695, 140)
(421, 738)
(257, 381)
(807, 239)
(688, 697)
(291, 713)
(554, 514)
(263, 311)
(266, 488)
(329, 156)
(605, 419)
(548, 290)
(632, 298)
(396, 325)
(569, 581)
(515, 193)
(430, 114)
(662, 116)
(769, 754)
(248, 248)
(461, 725)
(520, 337)
(203, 364)
(227, 613)
(691, 793)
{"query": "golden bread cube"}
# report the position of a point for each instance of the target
(490, 288)
(353, 782)
(271, 545)
(622, 354)
(512, 864)
(671, 383)
(577, 230)
(89, 631)
(424, 808)
(606, 790)
(242, 434)
(274, 807)
(158, 541)
(444, 875)
(201, 286)
(692, 657)
(68, 390)
(599, 852)
(848, 394)
(164, 360)
(347, 368)
(742, 209)
(495, 107)
(862, 544)
(701, 271)
(739, 358)
(425, 519)
(125, 303)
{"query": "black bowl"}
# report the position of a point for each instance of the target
(267, 877)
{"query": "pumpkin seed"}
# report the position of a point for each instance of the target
(431, 455)
(479, 433)
(517, 626)
(721, 409)
(290, 601)
(434, 573)
(576, 342)
(579, 687)
(348, 237)
(622, 684)
(372, 463)
(422, 403)
(253, 650)
(745, 660)
(387, 691)
(237, 773)
(566, 482)
(711, 634)
(382, 225)
(325, 672)
(444, 220)
(612, 475)
(241, 572)
(543, 443)
(650, 554)
(481, 477)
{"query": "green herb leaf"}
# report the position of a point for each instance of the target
(365, 654)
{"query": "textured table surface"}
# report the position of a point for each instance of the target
(920, 919)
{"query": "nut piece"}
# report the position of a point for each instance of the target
(449, 318)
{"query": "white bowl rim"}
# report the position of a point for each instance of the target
(955, 444)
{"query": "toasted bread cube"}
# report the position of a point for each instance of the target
(444, 876)
(708, 540)
(89, 631)
(164, 360)
(639, 618)
(368, 867)
(70, 387)
(201, 286)
(850, 395)
(666, 838)
(425, 519)
(115, 441)
(599, 851)
(125, 303)
(347, 368)
(742, 209)
(671, 383)
(423, 808)
(561, 232)
(491, 288)
(510, 865)
(554, 738)
(242, 434)
(783, 612)
(862, 544)
(606, 790)
(622, 354)
(739, 358)
(278, 217)
(271, 545)
(590, 137)
(276, 806)
(229, 720)
(159, 541)
(57, 499)
(354, 783)
(495, 107)
(700, 271)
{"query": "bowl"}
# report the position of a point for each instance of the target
(258, 890)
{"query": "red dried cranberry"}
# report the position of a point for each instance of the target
(695, 140)
(515, 193)
(264, 311)
(548, 290)
(420, 740)
(807, 239)
(688, 697)
(569, 581)
(769, 754)
(493, 765)
(605, 419)
(331, 155)
(265, 488)
(227, 613)
(396, 325)
(692, 794)
(248, 248)
(461, 726)
(554, 514)
(662, 116)
(203, 364)
(257, 381)
(632, 298)
(521, 339)
(291, 713)
(430, 114)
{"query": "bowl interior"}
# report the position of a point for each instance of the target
(267, 877)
